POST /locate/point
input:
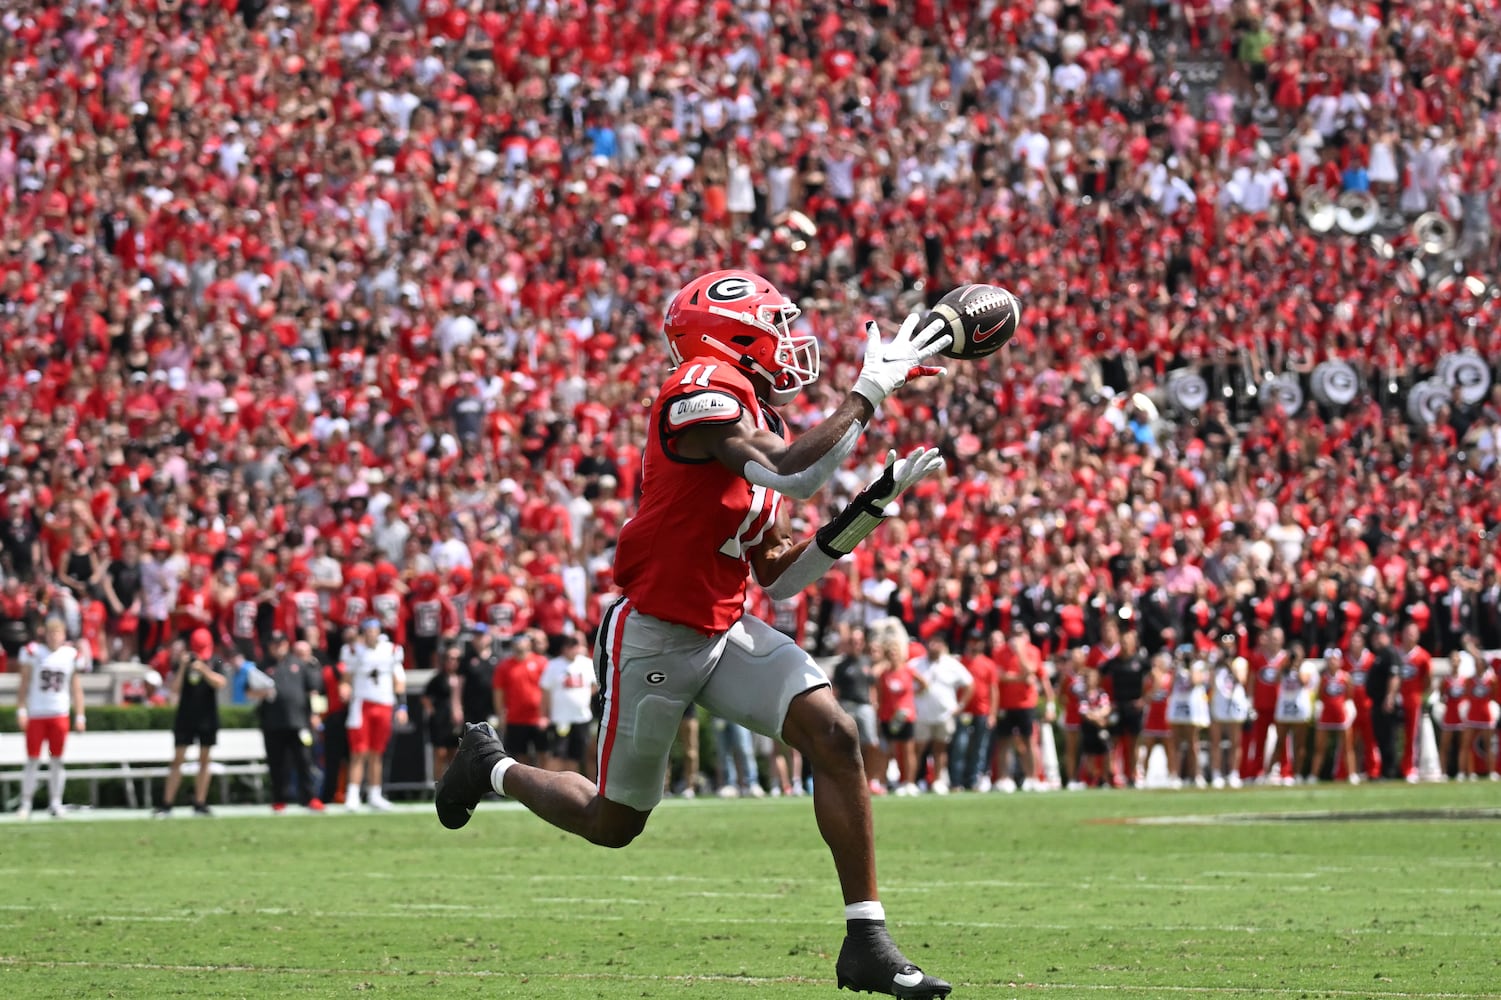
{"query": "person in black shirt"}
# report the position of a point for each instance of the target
(197, 676)
(1127, 673)
(854, 679)
(1381, 684)
(122, 595)
(286, 721)
(443, 705)
(21, 541)
(478, 668)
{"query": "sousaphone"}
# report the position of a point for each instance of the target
(1319, 210)
(1357, 212)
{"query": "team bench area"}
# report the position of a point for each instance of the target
(141, 756)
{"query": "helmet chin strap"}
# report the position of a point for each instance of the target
(778, 397)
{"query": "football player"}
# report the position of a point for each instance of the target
(378, 697)
(51, 685)
(716, 467)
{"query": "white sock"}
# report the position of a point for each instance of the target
(498, 774)
(28, 781)
(352, 795)
(870, 910)
(58, 777)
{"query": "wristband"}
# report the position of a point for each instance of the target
(401, 706)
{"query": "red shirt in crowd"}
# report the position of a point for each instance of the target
(519, 682)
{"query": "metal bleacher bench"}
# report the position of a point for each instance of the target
(141, 755)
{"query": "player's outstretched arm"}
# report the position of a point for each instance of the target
(788, 569)
(800, 469)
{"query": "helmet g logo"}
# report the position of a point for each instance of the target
(731, 289)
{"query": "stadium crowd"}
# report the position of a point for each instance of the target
(313, 311)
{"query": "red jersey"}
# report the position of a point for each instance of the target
(1359, 667)
(501, 618)
(683, 557)
(332, 675)
(192, 609)
(349, 607)
(1018, 675)
(1455, 694)
(983, 672)
(298, 610)
(895, 695)
(519, 680)
(431, 616)
(386, 606)
(1416, 673)
(1268, 680)
(1075, 688)
(1479, 711)
(1334, 698)
(243, 613)
(1159, 690)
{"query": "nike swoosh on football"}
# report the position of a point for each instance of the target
(909, 979)
(980, 336)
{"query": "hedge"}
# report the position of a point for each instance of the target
(113, 718)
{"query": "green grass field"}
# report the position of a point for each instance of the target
(1051, 896)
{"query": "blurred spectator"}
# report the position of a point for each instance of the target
(568, 688)
(286, 718)
(969, 754)
(443, 706)
(197, 676)
(943, 686)
(854, 680)
(739, 775)
(518, 702)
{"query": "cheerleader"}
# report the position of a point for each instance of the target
(1336, 717)
(1072, 688)
(1293, 716)
(1454, 696)
(1156, 731)
(1479, 736)
(1229, 708)
(1188, 712)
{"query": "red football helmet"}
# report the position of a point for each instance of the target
(740, 317)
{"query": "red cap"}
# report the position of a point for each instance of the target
(201, 643)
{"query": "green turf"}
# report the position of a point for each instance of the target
(1007, 896)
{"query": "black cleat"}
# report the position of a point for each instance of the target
(468, 776)
(872, 967)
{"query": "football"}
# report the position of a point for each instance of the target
(982, 319)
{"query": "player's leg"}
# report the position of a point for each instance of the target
(650, 672)
(1412, 712)
(688, 737)
(769, 684)
(34, 738)
(205, 776)
(174, 776)
(57, 774)
(1320, 749)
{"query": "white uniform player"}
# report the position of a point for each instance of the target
(379, 683)
(51, 687)
(568, 685)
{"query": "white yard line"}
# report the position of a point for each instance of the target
(991, 989)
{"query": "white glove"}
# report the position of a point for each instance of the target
(900, 475)
(875, 502)
(888, 366)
